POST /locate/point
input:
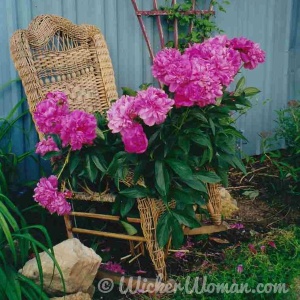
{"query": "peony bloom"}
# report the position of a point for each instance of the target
(45, 146)
(222, 63)
(135, 139)
(163, 61)
(153, 105)
(250, 52)
(48, 196)
(50, 112)
(121, 114)
(79, 129)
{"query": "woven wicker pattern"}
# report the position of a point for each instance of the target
(214, 204)
(54, 54)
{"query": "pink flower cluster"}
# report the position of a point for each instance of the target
(113, 267)
(52, 116)
(151, 106)
(197, 76)
(250, 52)
(48, 196)
(46, 145)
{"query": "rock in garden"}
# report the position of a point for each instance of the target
(229, 205)
(79, 265)
(77, 296)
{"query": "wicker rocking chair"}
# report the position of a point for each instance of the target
(54, 54)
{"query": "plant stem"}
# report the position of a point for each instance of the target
(65, 163)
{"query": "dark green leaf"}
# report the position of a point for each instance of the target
(185, 219)
(51, 154)
(163, 229)
(74, 162)
(180, 168)
(184, 144)
(162, 178)
(135, 192)
(212, 126)
(97, 163)
(126, 205)
(208, 177)
(177, 234)
(195, 184)
(91, 169)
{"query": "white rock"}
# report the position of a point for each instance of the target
(79, 265)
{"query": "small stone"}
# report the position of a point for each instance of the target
(79, 265)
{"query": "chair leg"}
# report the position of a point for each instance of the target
(68, 224)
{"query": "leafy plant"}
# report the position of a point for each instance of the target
(9, 161)
(286, 162)
(193, 28)
(17, 243)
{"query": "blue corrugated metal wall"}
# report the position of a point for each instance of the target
(272, 23)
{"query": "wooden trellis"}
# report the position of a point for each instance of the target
(158, 14)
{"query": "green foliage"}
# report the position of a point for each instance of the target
(192, 28)
(271, 266)
(17, 243)
(9, 161)
(287, 162)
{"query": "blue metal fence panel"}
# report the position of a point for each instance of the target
(266, 22)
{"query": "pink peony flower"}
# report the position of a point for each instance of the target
(113, 267)
(250, 52)
(48, 196)
(79, 129)
(163, 61)
(45, 146)
(240, 269)
(50, 112)
(121, 114)
(134, 139)
(153, 105)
